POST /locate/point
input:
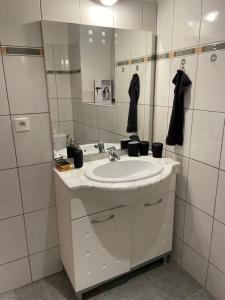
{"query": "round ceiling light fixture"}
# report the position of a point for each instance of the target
(108, 2)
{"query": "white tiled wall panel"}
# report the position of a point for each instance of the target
(10, 203)
(13, 241)
(34, 146)
(194, 264)
(206, 139)
(26, 84)
(177, 250)
(187, 15)
(160, 124)
(63, 11)
(37, 187)
(216, 282)
(92, 13)
(20, 23)
(165, 25)
(44, 236)
(202, 184)
(220, 203)
(162, 82)
(209, 89)
(128, 14)
(213, 12)
(218, 246)
(197, 230)
(7, 158)
(4, 108)
(179, 215)
(14, 275)
(45, 263)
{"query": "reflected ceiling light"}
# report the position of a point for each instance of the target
(191, 24)
(90, 32)
(103, 41)
(90, 40)
(211, 16)
(108, 2)
(103, 33)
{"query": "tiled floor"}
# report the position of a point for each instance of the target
(165, 282)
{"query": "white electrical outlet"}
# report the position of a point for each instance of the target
(22, 124)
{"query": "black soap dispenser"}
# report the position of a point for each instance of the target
(78, 157)
(70, 147)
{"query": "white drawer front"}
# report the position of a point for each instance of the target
(151, 228)
(101, 247)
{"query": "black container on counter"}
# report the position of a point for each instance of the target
(133, 148)
(157, 149)
(78, 158)
(124, 144)
(144, 147)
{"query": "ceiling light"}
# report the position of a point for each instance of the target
(108, 2)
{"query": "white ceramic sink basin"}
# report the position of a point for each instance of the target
(124, 170)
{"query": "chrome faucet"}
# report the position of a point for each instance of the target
(113, 154)
(101, 147)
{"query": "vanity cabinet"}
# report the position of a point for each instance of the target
(101, 239)
(102, 246)
(151, 228)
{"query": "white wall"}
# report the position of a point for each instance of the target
(28, 230)
(199, 239)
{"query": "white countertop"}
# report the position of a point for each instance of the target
(75, 178)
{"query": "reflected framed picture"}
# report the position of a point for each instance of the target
(103, 91)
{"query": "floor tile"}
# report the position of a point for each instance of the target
(201, 295)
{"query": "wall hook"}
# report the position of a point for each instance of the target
(213, 57)
(123, 69)
(137, 68)
(182, 63)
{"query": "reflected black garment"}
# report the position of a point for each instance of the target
(175, 134)
(134, 92)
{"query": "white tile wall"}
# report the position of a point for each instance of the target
(45, 263)
(20, 26)
(220, 203)
(26, 84)
(216, 282)
(179, 218)
(162, 82)
(213, 12)
(197, 230)
(218, 246)
(10, 204)
(187, 15)
(201, 188)
(4, 108)
(20, 23)
(195, 23)
(37, 187)
(56, 10)
(7, 158)
(45, 236)
(14, 275)
(206, 139)
(209, 90)
(34, 146)
(13, 240)
(194, 264)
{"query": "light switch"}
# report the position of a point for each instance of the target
(22, 124)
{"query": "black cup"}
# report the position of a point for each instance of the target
(133, 148)
(144, 147)
(124, 144)
(157, 149)
(78, 158)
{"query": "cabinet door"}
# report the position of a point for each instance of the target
(101, 247)
(151, 228)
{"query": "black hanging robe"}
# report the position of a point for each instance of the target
(176, 127)
(134, 92)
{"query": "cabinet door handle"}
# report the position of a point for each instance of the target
(100, 221)
(154, 203)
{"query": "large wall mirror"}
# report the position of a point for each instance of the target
(89, 70)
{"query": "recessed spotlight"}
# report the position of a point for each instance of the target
(108, 2)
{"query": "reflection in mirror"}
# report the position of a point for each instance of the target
(89, 70)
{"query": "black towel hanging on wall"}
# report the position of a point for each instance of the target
(176, 127)
(134, 92)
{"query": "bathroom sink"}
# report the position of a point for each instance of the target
(124, 170)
